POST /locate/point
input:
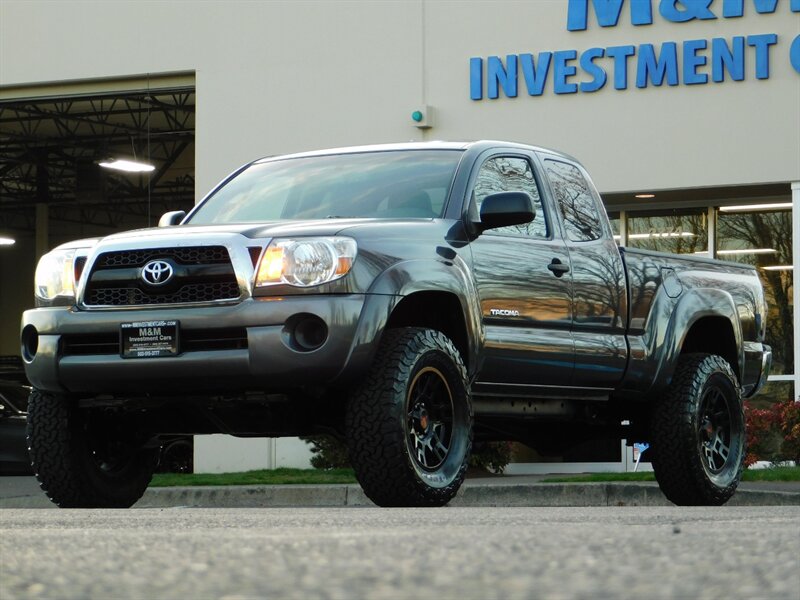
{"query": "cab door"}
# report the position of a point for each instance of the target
(600, 301)
(524, 284)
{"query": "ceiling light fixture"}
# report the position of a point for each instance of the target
(666, 234)
(749, 251)
(645, 196)
(4, 241)
(129, 166)
(746, 207)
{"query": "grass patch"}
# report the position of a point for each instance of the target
(262, 477)
(601, 477)
(317, 476)
(773, 474)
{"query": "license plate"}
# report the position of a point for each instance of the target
(149, 339)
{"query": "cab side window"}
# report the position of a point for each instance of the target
(510, 174)
(578, 207)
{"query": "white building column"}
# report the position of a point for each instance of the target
(795, 272)
(712, 231)
(623, 228)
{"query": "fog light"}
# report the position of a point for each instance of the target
(305, 332)
(30, 343)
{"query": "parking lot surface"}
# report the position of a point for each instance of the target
(612, 552)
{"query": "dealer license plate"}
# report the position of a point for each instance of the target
(149, 339)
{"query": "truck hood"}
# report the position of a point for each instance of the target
(321, 227)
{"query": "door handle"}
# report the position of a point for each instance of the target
(558, 268)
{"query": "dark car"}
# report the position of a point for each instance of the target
(175, 456)
(14, 392)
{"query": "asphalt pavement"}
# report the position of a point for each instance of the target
(449, 553)
(506, 490)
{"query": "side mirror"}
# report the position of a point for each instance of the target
(173, 217)
(506, 208)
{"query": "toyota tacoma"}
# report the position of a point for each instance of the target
(407, 298)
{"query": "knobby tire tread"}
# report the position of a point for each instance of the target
(676, 461)
(376, 443)
(57, 461)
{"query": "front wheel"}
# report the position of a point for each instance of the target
(409, 425)
(698, 433)
(84, 458)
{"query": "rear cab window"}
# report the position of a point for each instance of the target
(580, 213)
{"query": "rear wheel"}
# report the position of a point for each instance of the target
(85, 458)
(698, 433)
(409, 425)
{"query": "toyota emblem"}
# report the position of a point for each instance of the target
(157, 272)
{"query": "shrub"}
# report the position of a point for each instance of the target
(763, 438)
(491, 456)
(789, 414)
(329, 452)
(773, 432)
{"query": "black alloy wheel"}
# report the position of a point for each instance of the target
(430, 418)
(716, 430)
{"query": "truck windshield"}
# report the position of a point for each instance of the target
(389, 184)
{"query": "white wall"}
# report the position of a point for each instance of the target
(275, 77)
(227, 454)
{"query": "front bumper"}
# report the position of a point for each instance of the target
(263, 358)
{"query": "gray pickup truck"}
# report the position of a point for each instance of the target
(409, 298)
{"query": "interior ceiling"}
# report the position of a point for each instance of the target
(50, 149)
(694, 197)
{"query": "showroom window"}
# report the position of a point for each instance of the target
(762, 237)
(675, 231)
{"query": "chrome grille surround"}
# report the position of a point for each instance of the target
(183, 249)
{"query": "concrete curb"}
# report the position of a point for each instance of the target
(500, 495)
(483, 494)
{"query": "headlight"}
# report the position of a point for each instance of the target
(304, 262)
(55, 275)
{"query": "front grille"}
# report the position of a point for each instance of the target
(190, 340)
(201, 274)
(187, 256)
(196, 292)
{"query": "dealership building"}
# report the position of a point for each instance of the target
(686, 113)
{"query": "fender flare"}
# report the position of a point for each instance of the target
(694, 305)
(401, 280)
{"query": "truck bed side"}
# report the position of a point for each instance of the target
(688, 304)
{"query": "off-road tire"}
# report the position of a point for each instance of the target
(378, 415)
(60, 442)
(681, 435)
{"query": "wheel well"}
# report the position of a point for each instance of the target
(433, 310)
(713, 335)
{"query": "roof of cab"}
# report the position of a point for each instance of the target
(434, 145)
